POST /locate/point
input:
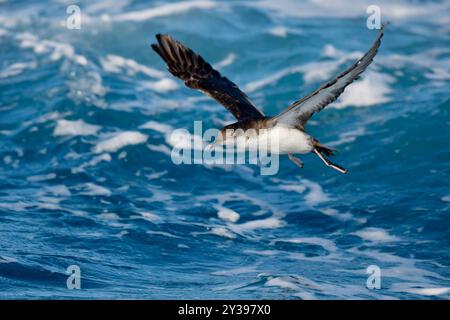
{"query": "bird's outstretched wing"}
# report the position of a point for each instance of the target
(198, 74)
(300, 111)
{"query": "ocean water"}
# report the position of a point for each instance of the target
(86, 176)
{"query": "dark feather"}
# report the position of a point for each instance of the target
(198, 74)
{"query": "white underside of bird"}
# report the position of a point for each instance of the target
(277, 140)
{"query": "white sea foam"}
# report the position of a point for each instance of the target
(156, 175)
(351, 9)
(81, 60)
(330, 51)
(403, 268)
(282, 283)
(17, 206)
(182, 139)
(58, 190)
(43, 177)
(419, 289)
(111, 216)
(176, 138)
(165, 10)
(49, 116)
(318, 71)
(328, 245)
(7, 159)
(312, 71)
(263, 206)
(300, 285)
(163, 85)
(372, 89)
(262, 252)
(343, 216)
(235, 271)
(229, 59)
(347, 137)
(162, 196)
(227, 214)
(432, 63)
(438, 73)
(446, 198)
(268, 223)
(106, 5)
(223, 232)
(88, 86)
(315, 194)
(149, 216)
(272, 222)
(113, 219)
(17, 68)
(92, 189)
(278, 31)
(376, 235)
(299, 188)
(404, 271)
(118, 64)
(162, 233)
(93, 162)
(74, 128)
(271, 79)
(160, 148)
(119, 141)
(103, 157)
(157, 126)
(55, 50)
(5, 259)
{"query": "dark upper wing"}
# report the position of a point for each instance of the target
(198, 74)
(300, 111)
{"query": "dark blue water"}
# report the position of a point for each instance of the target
(86, 176)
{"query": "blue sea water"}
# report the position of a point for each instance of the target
(86, 176)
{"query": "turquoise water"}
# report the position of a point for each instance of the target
(86, 176)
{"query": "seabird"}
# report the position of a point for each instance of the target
(289, 125)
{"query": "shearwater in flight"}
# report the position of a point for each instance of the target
(289, 125)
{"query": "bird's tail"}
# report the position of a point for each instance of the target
(323, 149)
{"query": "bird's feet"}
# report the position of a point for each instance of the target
(329, 163)
(295, 160)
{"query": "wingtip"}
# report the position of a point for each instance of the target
(154, 46)
(161, 37)
(157, 48)
(381, 30)
(380, 33)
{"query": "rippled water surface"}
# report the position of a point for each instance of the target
(86, 176)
